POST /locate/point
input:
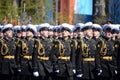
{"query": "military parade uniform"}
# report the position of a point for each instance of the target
(8, 54)
(42, 57)
(108, 60)
(64, 55)
(74, 46)
(108, 55)
(64, 59)
(24, 55)
(116, 45)
(24, 58)
(88, 61)
(45, 58)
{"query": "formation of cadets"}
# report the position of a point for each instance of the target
(64, 52)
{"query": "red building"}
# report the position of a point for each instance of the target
(66, 10)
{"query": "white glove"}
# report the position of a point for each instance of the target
(115, 71)
(79, 75)
(19, 70)
(99, 73)
(74, 71)
(57, 71)
(36, 74)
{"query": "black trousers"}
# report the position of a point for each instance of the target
(65, 78)
(7, 77)
(26, 77)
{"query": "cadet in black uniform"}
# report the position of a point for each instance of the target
(87, 57)
(8, 52)
(77, 35)
(115, 38)
(118, 53)
(18, 43)
(17, 37)
(101, 43)
(108, 57)
(26, 49)
(42, 63)
(64, 59)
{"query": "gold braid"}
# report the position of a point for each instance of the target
(4, 48)
(84, 48)
(41, 49)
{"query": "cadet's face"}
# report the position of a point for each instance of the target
(75, 34)
(1, 34)
(44, 33)
(60, 34)
(96, 33)
(56, 34)
(18, 34)
(29, 34)
(80, 34)
(108, 34)
(23, 34)
(114, 35)
(65, 33)
(9, 33)
(89, 33)
(50, 33)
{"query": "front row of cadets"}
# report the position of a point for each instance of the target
(39, 54)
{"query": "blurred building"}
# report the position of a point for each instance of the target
(60, 11)
(66, 10)
(114, 11)
(99, 8)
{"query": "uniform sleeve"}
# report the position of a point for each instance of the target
(115, 54)
(34, 55)
(18, 52)
(54, 52)
(97, 56)
(79, 59)
(73, 53)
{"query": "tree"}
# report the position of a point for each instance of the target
(8, 8)
(36, 10)
(24, 10)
